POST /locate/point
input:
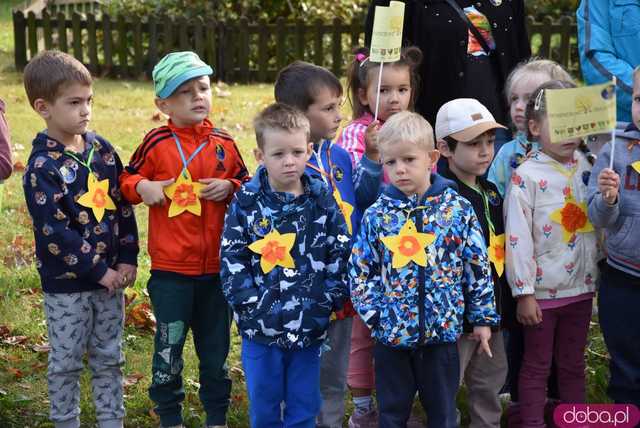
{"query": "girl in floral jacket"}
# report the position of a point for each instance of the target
(551, 262)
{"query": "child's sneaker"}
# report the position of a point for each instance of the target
(364, 420)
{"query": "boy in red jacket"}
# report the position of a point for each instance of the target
(186, 172)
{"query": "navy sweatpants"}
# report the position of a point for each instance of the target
(433, 371)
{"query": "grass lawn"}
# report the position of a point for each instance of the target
(123, 112)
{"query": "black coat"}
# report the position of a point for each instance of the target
(441, 34)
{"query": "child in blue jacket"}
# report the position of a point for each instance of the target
(284, 249)
(418, 265)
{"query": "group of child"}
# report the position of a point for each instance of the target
(357, 263)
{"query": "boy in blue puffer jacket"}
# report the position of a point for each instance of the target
(418, 264)
(284, 249)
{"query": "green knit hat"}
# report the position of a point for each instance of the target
(176, 68)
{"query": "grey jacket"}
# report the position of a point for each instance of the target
(621, 220)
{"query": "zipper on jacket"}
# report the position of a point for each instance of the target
(421, 289)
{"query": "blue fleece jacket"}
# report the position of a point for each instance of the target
(608, 40)
(73, 249)
(285, 307)
(621, 220)
(356, 186)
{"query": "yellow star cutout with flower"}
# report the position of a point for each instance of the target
(496, 252)
(573, 218)
(636, 166)
(346, 209)
(275, 250)
(408, 245)
(184, 195)
(97, 197)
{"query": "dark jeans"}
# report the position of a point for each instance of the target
(181, 303)
(433, 371)
(618, 302)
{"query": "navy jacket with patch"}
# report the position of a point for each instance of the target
(73, 249)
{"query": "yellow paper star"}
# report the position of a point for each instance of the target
(636, 166)
(275, 250)
(408, 245)
(573, 218)
(346, 209)
(184, 195)
(97, 197)
(496, 252)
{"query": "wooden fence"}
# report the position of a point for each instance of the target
(240, 51)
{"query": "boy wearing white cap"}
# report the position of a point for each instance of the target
(465, 130)
(186, 172)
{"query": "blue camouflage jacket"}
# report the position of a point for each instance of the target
(286, 307)
(413, 305)
(73, 249)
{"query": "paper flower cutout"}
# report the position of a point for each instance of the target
(97, 197)
(496, 252)
(408, 245)
(184, 195)
(636, 166)
(275, 250)
(573, 218)
(346, 209)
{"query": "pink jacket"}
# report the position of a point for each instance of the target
(6, 166)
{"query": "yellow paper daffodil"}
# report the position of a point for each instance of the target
(408, 245)
(636, 166)
(275, 250)
(573, 218)
(184, 195)
(496, 252)
(346, 209)
(97, 197)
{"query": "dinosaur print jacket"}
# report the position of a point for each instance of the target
(286, 306)
(414, 305)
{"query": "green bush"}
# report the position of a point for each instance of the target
(540, 8)
(252, 9)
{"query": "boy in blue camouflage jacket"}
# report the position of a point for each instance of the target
(418, 265)
(284, 249)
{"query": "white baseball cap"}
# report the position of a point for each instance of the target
(463, 119)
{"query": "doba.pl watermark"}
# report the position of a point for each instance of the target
(596, 416)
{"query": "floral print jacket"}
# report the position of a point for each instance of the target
(415, 305)
(551, 247)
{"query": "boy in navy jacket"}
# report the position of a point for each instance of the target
(86, 240)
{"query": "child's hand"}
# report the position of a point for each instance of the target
(152, 192)
(128, 273)
(482, 334)
(529, 312)
(371, 141)
(216, 189)
(112, 280)
(608, 184)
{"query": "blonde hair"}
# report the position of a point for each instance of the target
(407, 127)
(280, 117)
(636, 75)
(535, 65)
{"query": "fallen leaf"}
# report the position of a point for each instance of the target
(132, 379)
(18, 166)
(16, 372)
(154, 415)
(4, 331)
(141, 316)
(15, 340)
(39, 366)
(42, 347)
(221, 93)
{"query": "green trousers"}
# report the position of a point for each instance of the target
(181, 303)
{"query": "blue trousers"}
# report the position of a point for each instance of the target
(276, 376)
(618, 302)
(433, 371)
